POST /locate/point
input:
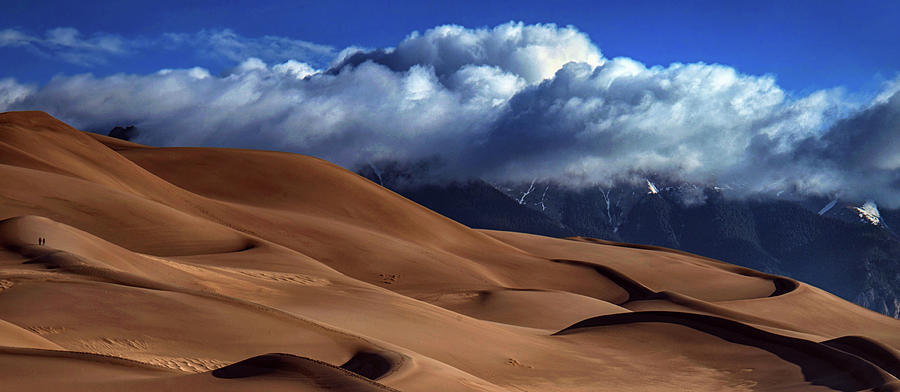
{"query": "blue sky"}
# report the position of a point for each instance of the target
(807, 45)
(800, 97)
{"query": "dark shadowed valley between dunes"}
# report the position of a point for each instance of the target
(223, 269)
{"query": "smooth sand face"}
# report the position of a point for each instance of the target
(219, 269)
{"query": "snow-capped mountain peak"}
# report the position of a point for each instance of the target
(652, 188)
(869, 213)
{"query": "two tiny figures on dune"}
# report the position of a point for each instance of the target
(42, 240)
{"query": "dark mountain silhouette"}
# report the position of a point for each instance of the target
(128, 133)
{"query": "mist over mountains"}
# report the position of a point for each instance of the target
(507, 104)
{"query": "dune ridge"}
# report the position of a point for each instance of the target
(227, 269)
(820, 362)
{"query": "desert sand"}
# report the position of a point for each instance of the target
(223, 269)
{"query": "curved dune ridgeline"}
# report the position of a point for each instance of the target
(225, 269)
(821, 364)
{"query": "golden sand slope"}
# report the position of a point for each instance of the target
(220, 269)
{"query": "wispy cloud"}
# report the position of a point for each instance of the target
(16, 38)
(229, 45)
(513, 102)
(67, 44)
(70, 45)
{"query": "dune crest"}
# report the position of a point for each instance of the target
(225, 269)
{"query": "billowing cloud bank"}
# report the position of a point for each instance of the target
(509, 103)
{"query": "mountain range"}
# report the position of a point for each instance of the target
(844, 246)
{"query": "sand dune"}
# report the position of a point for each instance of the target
(820, 364)
(224, 269)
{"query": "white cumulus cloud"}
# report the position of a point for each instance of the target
(533, 52)
(512, 102)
